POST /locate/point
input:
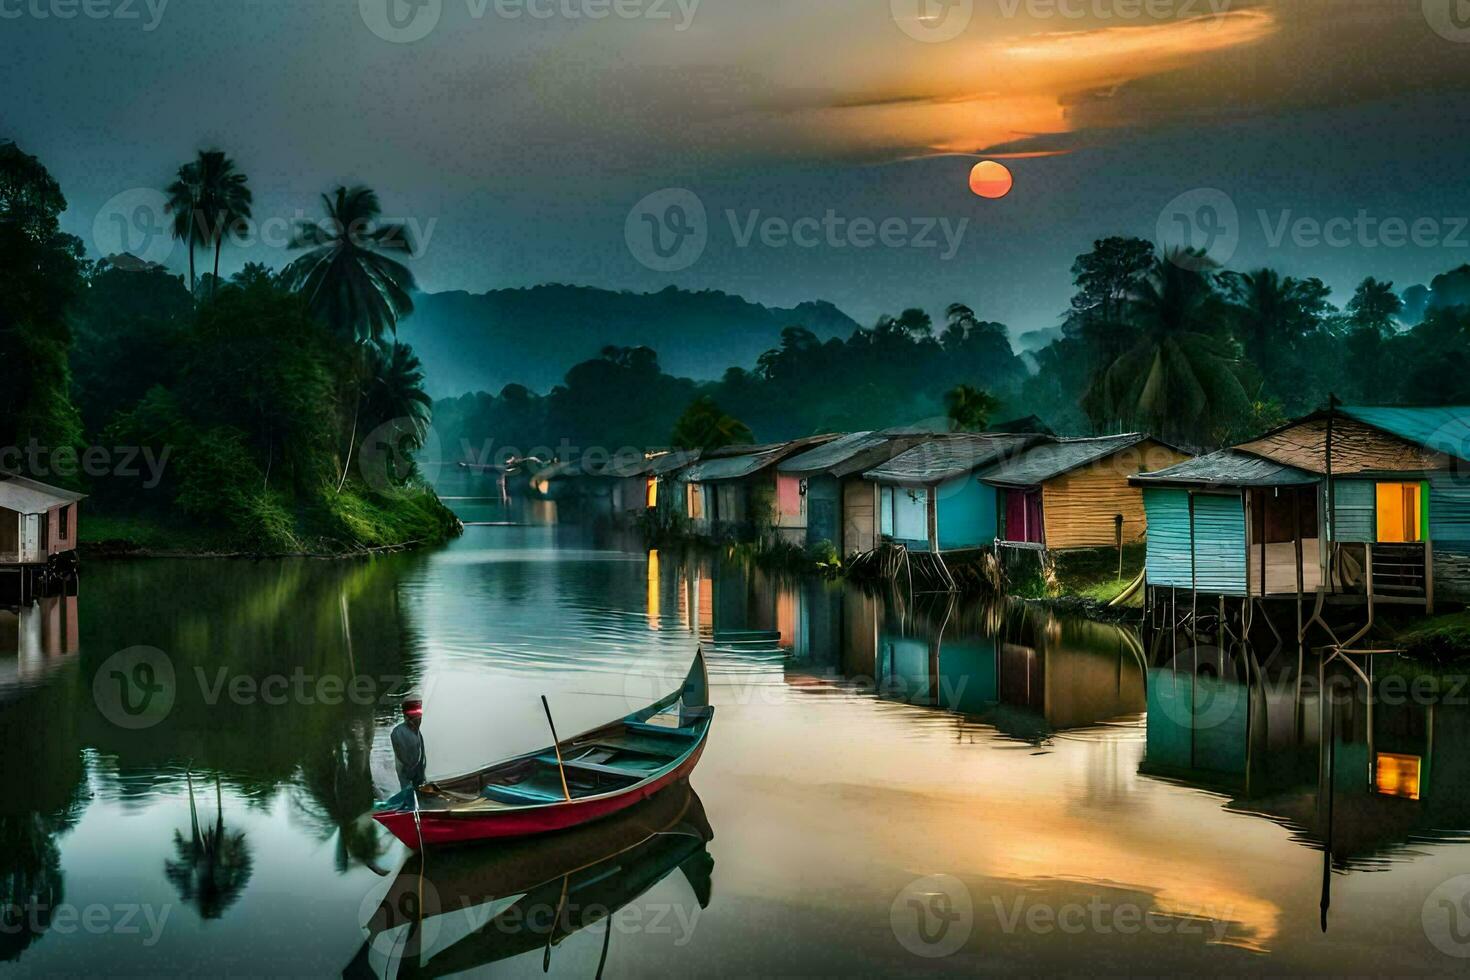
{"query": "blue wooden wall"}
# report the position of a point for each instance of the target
(1219, 552)
(1449, 513)
(1357, 510)
(967, 514)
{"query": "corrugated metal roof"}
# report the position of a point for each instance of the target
(1445, 428)
(748, 464)
(1052, 459)
(26, 496)
(944, 457)
(1227, 468)
(824, 457)
(673, 460)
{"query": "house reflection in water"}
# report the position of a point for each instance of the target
(1383, 781)
(1025, 670)
(36, 639)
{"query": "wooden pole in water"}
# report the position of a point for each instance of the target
(556, 744)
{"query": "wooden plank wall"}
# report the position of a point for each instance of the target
(1219, 551)
(1357, 510)
(1080, 508)
(1449, 530)
(859, 516)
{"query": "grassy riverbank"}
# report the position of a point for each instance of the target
(1437, 639)
(1089, 576)
(345, 524)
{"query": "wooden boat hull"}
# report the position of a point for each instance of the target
(587, 778)
(466, 877)
(452, 828)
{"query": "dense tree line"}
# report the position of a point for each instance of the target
(280, 406)
(1198, 355)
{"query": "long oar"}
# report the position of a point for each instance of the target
(556, 744)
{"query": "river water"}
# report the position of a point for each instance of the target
(891, 783)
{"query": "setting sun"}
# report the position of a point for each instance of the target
(990, 179)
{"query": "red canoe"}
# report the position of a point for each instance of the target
(606, 770)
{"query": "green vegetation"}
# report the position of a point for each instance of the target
(1089, 574)
(281, 411)
(969, 409)
(705, 426)
(1443, 640)
(1197, 355)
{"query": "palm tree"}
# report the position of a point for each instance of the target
(183, 203)
(1180, 380)
(349, 278)
(1273, 310)
(1375, 306)
(212, 866)
(224, 202)
(394, 403)
(969, 408)
(704, 425)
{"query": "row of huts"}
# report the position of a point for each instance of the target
(1351, 501)
(933, 492)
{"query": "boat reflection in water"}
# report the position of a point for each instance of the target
(452, 910)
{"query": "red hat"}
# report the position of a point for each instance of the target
(413, 708)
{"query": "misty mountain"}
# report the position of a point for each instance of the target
(482, 342)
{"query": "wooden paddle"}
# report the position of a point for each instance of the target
(556, 744)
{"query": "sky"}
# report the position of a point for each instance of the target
(785, 150)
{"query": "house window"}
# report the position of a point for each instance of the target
(1400, 512)
(696, 501)
(63, 523)
(652, 493)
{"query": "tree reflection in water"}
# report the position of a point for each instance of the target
(31, 881)
(337, 798)
(213, 865)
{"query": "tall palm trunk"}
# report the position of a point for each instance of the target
(359, 372)
(351, 443)
(214, 285)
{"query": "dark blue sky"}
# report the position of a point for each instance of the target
(519, 143)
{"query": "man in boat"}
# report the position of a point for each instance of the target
(408, 746)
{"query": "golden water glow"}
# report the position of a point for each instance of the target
(653, 591)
